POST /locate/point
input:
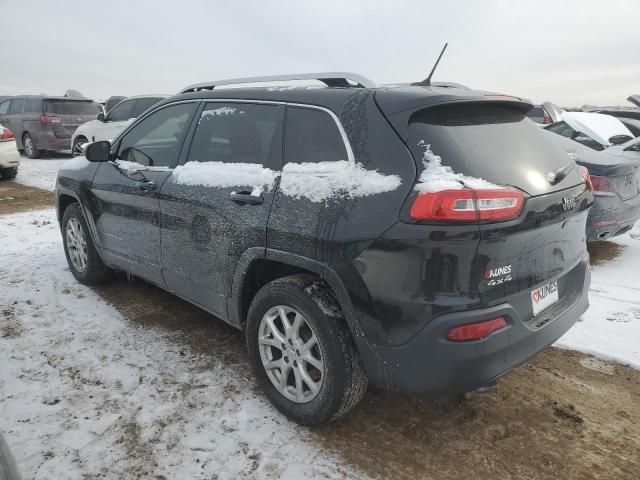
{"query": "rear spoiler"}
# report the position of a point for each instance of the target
(400, 118)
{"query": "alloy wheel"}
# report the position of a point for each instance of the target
(291, 354)
(76, 244)
(28, 145)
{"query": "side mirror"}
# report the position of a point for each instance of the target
(98, 151)
(101, 116)
(619, 139)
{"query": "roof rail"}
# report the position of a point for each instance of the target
(331, 79)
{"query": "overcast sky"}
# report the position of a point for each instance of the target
(571, 52)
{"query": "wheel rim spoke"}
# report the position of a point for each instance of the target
(291, 354)
(76, 245)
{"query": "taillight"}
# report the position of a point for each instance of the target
(476, 331)
(602, 186)
(547, 119)
(7, 135)
(468, 205)
(586, 176)
(47, 119)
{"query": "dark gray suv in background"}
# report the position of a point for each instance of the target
(45, 123)
(422, 238)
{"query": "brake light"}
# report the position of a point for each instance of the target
(7, 135)
(586, 176)
(476, 331)
(468, 205)
(47, 119)
(602, 186)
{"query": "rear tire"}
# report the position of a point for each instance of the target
(8, 173)
(30, 147)
(76, 149)
(83, 259)
(341, 382)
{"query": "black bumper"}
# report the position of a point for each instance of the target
(429, 363)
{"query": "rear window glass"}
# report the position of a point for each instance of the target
(490, 141)
(70, 107)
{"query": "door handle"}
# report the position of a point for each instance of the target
(146, 185)
(246, 197)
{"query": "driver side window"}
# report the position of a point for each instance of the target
(156, 140)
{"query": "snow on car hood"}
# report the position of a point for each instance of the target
(598, 126)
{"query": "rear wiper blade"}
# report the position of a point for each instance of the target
(556, 176)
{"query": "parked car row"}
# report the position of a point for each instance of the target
(432, 253)
(43, 123)
(608, 149)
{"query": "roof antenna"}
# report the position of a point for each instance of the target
(427, 81)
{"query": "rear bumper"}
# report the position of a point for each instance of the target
(611, 216)
(430, 363)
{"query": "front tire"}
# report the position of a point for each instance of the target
(30, 147)
(301, 351)
(83, 259)
(8, 173)
(76, 149)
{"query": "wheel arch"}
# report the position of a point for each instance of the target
(259, 266)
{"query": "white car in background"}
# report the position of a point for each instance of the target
(109, 126)
(9, 155)
(594, 130)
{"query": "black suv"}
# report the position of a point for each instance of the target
(423, 239)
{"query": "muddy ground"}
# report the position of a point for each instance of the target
(562, 415)
(15, 197)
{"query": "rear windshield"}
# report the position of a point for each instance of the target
(71, 107)
(494, 142)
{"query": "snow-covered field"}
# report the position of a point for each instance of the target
(82, 387)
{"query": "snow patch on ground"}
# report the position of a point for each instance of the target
(611, 327)
(437, 177)
(225, 175)
(41, 172)
(88, 394)
(321, 181)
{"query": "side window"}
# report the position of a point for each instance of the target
(312, 136)
(34, 105)
(17, 106)
(143, 104)
(561, 128)
(234, 133)
(121, 112)
(156, 140)
(4, 107)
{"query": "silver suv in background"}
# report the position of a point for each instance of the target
(45, 123)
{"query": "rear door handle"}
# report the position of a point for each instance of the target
(147, 185)
(246, 197)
